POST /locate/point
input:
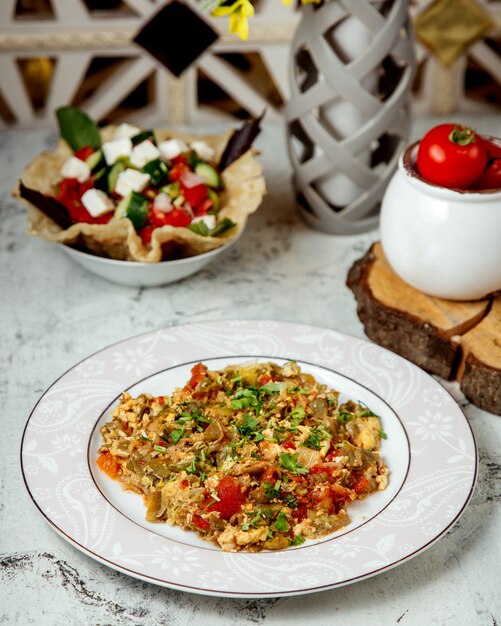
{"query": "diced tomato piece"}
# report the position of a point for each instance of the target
(231, 497)
(300, 513)
(156, 217)
(181, 158)
(106, 462)
(340, 496)
(84, 152)
(204, 207)
(264, 379)
(200, 522)
(184, 484)
(177, 217)
(161, 400)
(70, 194)
(361, 485)
(321, 498)
(194, 195)
(145, 233)
(289, 445)
(320, 468)
(198, 373)
(177, 171)
(269, 474)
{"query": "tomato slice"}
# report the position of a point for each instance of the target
(84, 153)
(231, 498)
(200, 522)
(204, 207)
(106, 462)
(145, 233)
(177, 171)
(195, 195)
(198, 373)
(70, 194)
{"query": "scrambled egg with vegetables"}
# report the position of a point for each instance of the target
(250, 457)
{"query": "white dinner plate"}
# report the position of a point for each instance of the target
(430, 452)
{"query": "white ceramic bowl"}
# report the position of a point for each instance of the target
(136, 274)
(446, 243)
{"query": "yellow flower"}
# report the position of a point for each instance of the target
(238, 13)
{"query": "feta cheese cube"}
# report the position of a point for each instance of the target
(97, 202)
(171, 148)
(209, 220)
(75, 168)
(203, 150)
(117, 148)
(126, 130)
(143, 153)
(131, 180)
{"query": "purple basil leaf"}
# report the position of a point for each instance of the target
(49, 206)
(240, 141)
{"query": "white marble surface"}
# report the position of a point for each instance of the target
(53, 314)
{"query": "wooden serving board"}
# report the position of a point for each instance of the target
(455, 340)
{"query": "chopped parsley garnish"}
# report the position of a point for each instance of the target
(382, 434)
(176, 435)
(270, 388)
(281, 522)
(289, 462)
(317, 435)
(254, 520)
(296, 417)
(290, 500)
(298, 540)
(272, 491)
(245, 398)
(158, 448)
(344, 417)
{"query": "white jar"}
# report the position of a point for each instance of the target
(444, 242)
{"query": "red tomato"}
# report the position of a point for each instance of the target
(204, 207)
(70, 194)
(177, 171)
(106, 462)
(177, 217)
(200, 522)
(181, 158)
(269, 474)
(84, 152)
(491, 178)
(157, 217)
(231, 498)
(289, 445)
(198, 373)
(264, 379)
(361, 485)
(300, 513)
(195, 195)
(145, 233)
(452, 156)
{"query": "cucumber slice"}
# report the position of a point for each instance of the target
(210, 175)
(96, 161)
(173, 190)
(117, 168)
(215, 199)
(157, 171)
(142, 136)
(134, 207)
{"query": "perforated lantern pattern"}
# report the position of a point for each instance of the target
(329, 86)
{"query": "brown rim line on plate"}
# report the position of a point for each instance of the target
(244, 188)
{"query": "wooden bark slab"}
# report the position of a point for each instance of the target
(455, 340)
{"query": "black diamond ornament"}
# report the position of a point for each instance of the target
(176, 36)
